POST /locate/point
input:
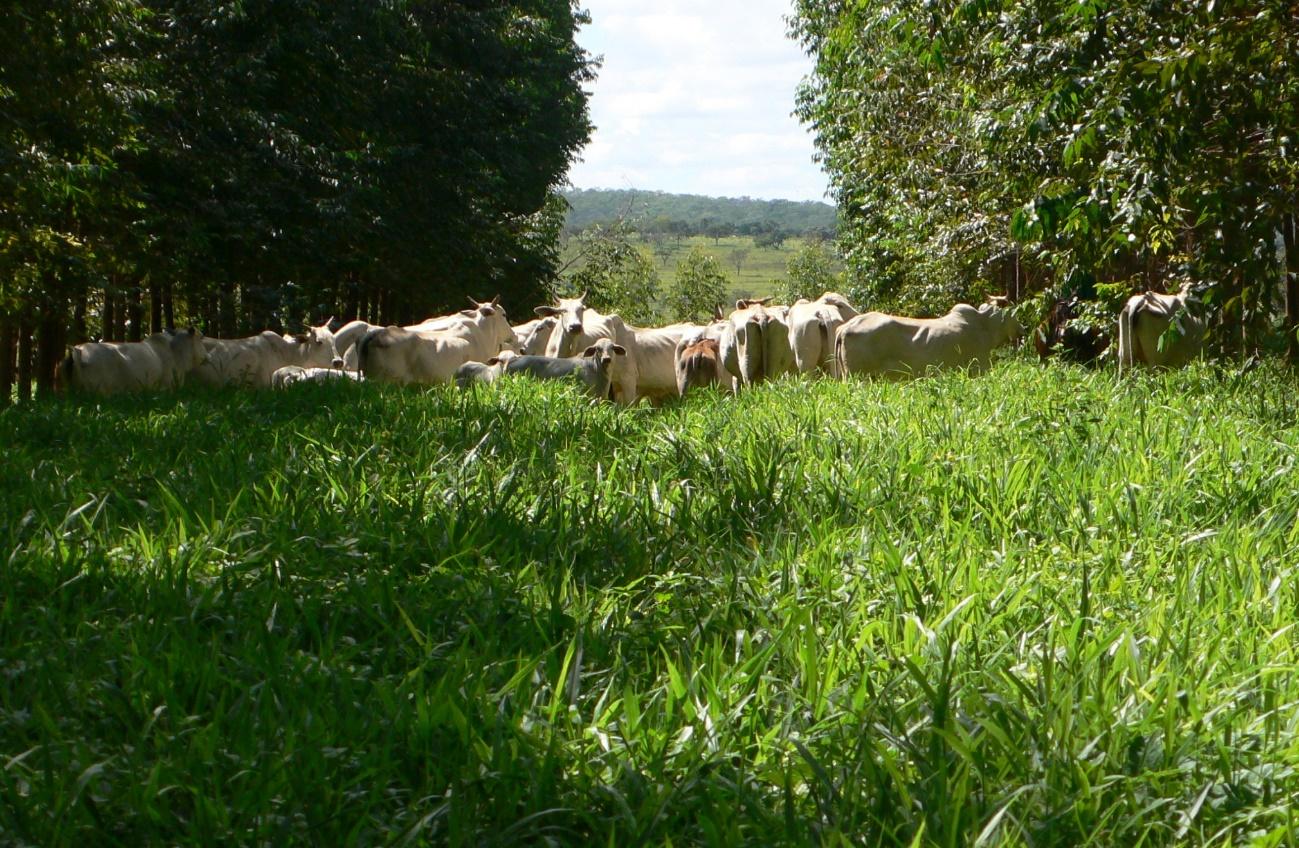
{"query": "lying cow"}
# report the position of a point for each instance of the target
(162, 360)
(399, 355)
(593, 369)
(1145, 319)
(1061, 333)
(473, 373)
(251, 361)
(699, 363)
(290, 374)
(887, 345)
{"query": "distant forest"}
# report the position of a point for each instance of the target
(697, 215)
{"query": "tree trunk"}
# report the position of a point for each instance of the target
(78, 330)
(155, 307)
(227, 308)
(24, 360)
(135, 330)
(1290, 232)
(8, 349)
(168, 308)
(108, 318)
(49, 348)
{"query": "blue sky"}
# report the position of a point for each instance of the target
(695, 97)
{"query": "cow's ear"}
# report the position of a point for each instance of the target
(619, 349)
(717, 312)
(495, 360)
(740, 304)
(590, 351)
(469, 313)
(547, 311)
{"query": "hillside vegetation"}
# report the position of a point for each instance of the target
(1040, 607)
(695, 212)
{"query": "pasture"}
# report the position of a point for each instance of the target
(758, 273)
(1045, 606)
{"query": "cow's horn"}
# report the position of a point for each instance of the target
(472, 302)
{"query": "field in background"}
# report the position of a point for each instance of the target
(760, 271)
(1044, 607)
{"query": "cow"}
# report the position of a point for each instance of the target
(398, 355)
(163, 360)
(472, 373)
(251, 361)
(812, 325)
(655, 350)
(1144, 320)
(532, 337)
(699, 363)
(346, 338)
(578, 327)
(887, 345)
(1061, 332)
(593, 369)
(756, 345)
(290, 374)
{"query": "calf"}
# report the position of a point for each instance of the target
(592, 368)
(290, 374)
(473, 373)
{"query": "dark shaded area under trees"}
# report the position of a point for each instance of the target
(1081, 147)
(254, 165)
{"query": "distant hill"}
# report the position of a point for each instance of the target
(603, 206)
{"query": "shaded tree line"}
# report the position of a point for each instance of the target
(248, 166)
(1066, 145)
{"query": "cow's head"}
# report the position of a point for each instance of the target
(604, 352)
(316, 344)
(538, 336)
(570, 314)
(997, 311)
(187, 346)
(568, 311)
(490, 317)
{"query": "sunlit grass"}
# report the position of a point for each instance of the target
(1044, 606)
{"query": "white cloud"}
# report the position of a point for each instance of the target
(697, 98)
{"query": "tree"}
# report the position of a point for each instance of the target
(1088, 148)
(700, 285)
(615, 274)
(810, 273)
(738, 257)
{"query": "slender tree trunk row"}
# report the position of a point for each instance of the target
(1290, 233)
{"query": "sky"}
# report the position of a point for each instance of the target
(695, 97)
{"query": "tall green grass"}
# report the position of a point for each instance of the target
(1042, 607)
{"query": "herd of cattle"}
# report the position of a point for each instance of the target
(612, 359)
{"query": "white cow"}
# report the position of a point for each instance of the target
(346, 338)
(532, 337)
(887, 345)
(756, 345)
(578, 327)
(162, 360)
(812, 325)
(290, 374)
(1144, 320)
(251, 361)
(593, 369)
(473, 373)
(399, 355)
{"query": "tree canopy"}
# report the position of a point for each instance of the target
(1091, 147)
(272, 159)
